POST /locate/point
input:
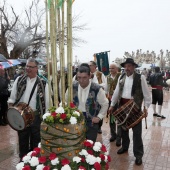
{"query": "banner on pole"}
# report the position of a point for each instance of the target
(102, 62)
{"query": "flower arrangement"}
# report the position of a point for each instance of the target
(67, 115)
(93, 156)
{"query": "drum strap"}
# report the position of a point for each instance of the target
(33, 89)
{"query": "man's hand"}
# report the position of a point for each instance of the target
(96, 120)
(111, 109)
(10, 105)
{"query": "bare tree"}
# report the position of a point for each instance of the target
(25, 33)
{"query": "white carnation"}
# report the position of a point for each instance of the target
(73, 120)
(20, 166)
(30, 153)
(83, 152)
(59, 110)
(39, 145)
(77, 159)
(90, 159)
(66, 167)
(55, 161)
(45, 115)
(97, 146)
(34, 161)
(77, 113)
(26, 159)
(98, 159)
(40, 167)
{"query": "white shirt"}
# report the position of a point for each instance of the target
(83, 95)
(26, 94)
(128, 88)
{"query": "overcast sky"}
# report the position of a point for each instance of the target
(119, 25)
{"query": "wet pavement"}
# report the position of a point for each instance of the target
(156, 139)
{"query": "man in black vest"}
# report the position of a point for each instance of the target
(131, 85)
(39, 102)
(157, 83)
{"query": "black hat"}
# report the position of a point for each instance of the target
(130, 61)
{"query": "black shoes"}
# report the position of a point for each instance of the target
(118, 143)
(121, 151)
(162, 117)
(112, 139)
(155, 114)
(138, 161)
(100, 131)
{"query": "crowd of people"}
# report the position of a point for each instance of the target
(95, 94)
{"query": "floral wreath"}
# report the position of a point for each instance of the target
(93, 156)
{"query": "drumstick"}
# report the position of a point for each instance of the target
(145, 118)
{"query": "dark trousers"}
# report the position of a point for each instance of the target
(157, 96)
(137, 140)
(91, 129)
(3, 107)
(29, 138)
(114, 133)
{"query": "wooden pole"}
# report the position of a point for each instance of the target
(69, 50)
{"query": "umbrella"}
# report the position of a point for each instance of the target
(2, 58)
(5, 65)
(14, 62)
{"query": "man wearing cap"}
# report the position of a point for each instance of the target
(131, 85)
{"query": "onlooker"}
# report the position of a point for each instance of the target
(157, 83)
(4, 94)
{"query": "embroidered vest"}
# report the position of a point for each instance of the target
(21, 87)
(136, 88)
(112, 83)
(99, 77)
(92, 106)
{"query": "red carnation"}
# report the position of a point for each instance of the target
(82, 168)
(90, 152)
(103, 148)
(72, 105)
(88, 144)
(102, 157)
(82, 159)
(37, 150)
(34, 153)
(97, 166)
(42, 159)
(109, 158)
(107, 166)
(53, 114)
(65, 161)
(46, 168)
(26, 167)
(52, 156)
(63, 116)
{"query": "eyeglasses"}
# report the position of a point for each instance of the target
(31, 67)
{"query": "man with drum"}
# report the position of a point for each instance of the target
(32, 90)
(131, 85)
(111, 80)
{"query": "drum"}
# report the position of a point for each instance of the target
(20, 116)
(128, 115)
